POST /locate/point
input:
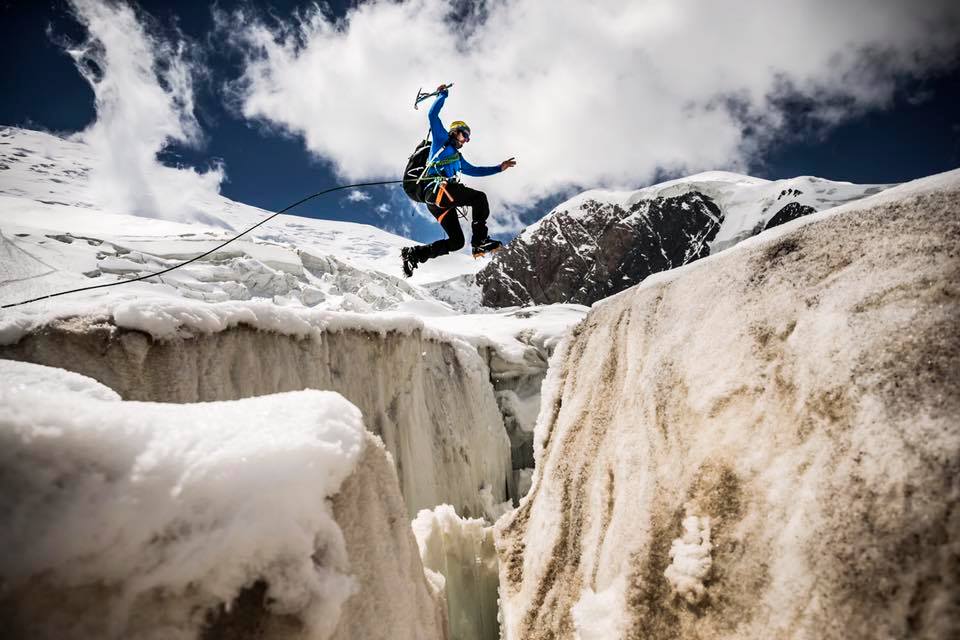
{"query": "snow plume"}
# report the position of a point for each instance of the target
(134, 516)
(143, 88)
(611, 96)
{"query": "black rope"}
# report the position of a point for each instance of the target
(203, 255)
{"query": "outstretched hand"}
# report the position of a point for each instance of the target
(506, 164)
(442, 88)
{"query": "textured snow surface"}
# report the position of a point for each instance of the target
(23, 376)
(760, 444)
(160, 508)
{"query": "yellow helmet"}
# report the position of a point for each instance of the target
(460, 125)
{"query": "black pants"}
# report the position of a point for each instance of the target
(455, 195)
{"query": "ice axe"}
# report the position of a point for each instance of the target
(421, 96)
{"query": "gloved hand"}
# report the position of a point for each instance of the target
(442, 88)
(506, 164)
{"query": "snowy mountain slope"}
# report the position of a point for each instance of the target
(601, 242)
(44, 190)
(53, 239)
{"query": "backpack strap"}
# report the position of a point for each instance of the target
(448, 160)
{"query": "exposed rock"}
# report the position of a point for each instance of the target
(790, 212)
(599, 250)
(766, 444)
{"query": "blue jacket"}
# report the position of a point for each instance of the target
(440, 136)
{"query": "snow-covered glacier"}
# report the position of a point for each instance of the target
(748, 446)
(764, 443)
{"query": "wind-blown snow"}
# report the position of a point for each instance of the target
(173, 506)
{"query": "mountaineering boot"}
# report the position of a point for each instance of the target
(409, 257)
(486, 246)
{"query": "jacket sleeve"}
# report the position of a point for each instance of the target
(479, 172)
(437, 129)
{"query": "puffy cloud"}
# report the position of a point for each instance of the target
(356, 195)
(606, 95)
(143, 88)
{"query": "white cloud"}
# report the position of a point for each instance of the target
(356, 195)
(383, 209)
(144, 99)
(604, 95)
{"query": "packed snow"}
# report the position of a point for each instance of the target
(173, 506)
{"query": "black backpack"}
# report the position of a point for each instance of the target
(416, 165)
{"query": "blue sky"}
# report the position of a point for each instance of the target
(909, 127)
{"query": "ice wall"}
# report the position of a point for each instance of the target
(762, 444)
(430, 400)
(459, 554)
(144, 520)
(516, 385)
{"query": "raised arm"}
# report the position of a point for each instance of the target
(437, 129)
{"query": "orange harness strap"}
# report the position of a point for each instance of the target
(443, 215)
(442, 191)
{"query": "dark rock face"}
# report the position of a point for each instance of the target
(790, 212)
(599, 250)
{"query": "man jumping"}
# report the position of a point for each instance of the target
(442, 191)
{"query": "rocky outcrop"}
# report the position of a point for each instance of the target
(790, 212)
(765, 444)
(598, 250)
(429, 400)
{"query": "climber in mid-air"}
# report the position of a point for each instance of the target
(432, 177)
